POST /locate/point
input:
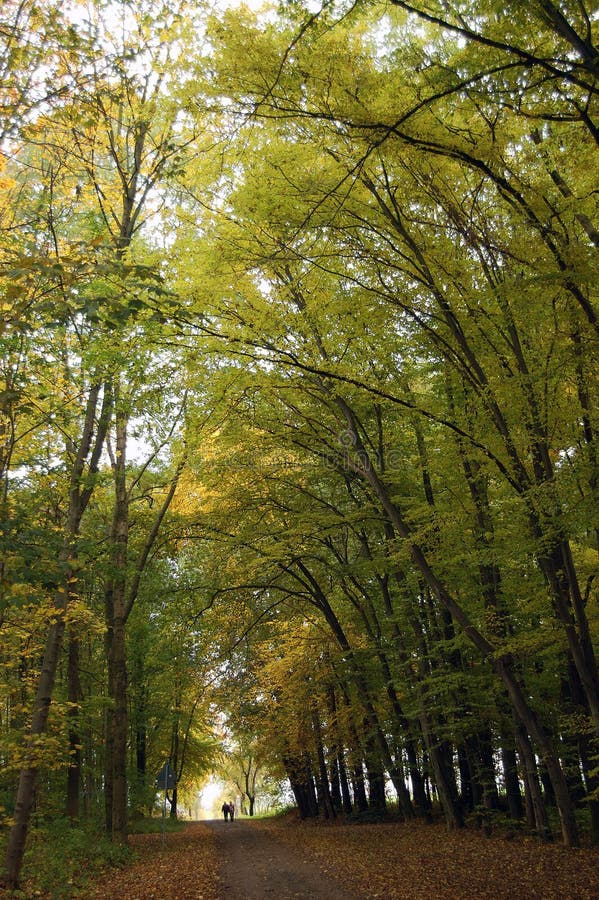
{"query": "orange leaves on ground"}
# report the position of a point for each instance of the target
(185, 869)
(417, 861)
(391, 861)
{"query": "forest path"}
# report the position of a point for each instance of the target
(254, 866)
(285, 858)
(217, 860)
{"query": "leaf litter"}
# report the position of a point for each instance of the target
(393, 861)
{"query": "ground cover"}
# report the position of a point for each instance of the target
(211, 861)
(183, 866)
(418, 861)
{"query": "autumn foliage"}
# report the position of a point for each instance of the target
(299, 401)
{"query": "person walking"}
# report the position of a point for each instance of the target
(226, 809)
(232, 810)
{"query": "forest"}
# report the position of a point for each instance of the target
(299, 410)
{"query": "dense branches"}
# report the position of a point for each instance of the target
(299, 376)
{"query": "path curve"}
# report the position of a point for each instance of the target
(256, 866)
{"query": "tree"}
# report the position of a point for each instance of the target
(382, 240)
(104, 144)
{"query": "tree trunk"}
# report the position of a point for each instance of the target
(28, 776)
(335, 779)
(108, 787)
(141, 735)
(89, 451)
(175, 751)
(374, 769)
(344, 781)
(531, 778)
(510, 777)
(116, 761)
(299, 772)
(421, 801)
(119, 659)
(74, 697)
(324, 792)
(501, 666)
(321, 602)
(443, 777)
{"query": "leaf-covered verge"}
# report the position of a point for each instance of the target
(390, 860)
(63, 860)
(182, 864)
(417, 861)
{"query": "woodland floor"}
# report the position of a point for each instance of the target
(256, 860)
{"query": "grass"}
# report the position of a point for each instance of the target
(274, 813)
(62, 859)
(155, 825)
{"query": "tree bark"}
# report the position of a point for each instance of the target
(74, 697)
(510, 777)
(324, 790)
(88, 452)
(501, 665)
(116, 763)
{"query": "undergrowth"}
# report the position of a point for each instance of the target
(62, 859)
(155, 824)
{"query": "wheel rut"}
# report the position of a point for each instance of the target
(255, 866)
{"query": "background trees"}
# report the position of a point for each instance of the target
(405, 233)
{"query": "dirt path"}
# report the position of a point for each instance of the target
(218, 860)
(254, 866)
(286, 859)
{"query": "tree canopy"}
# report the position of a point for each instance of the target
(299, 407)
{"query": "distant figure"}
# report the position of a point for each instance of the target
(232, 810)
(226, 809)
